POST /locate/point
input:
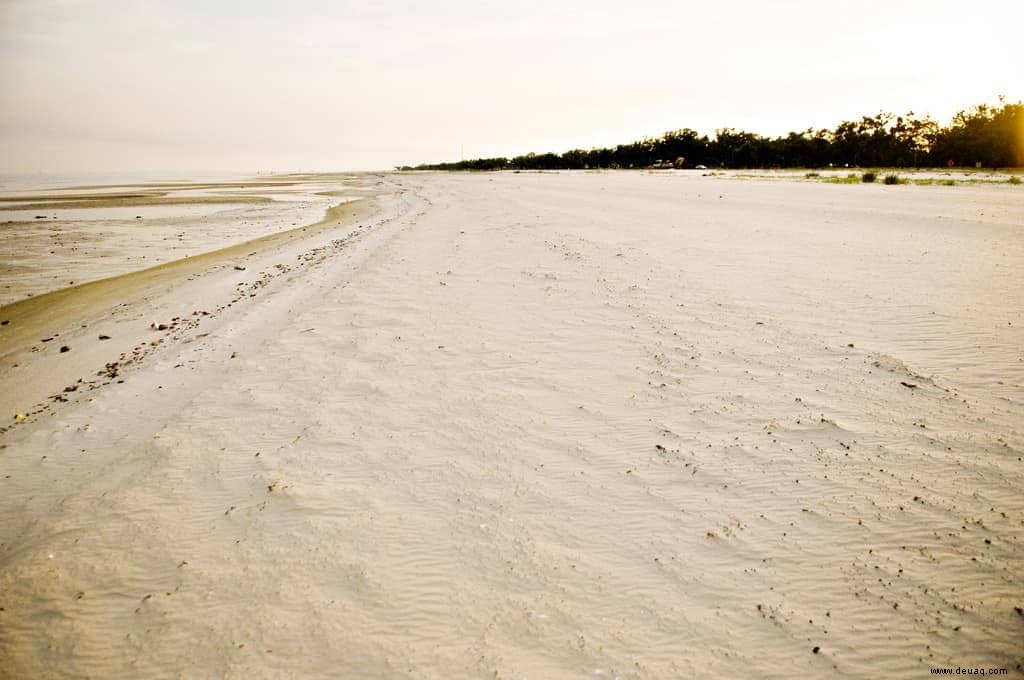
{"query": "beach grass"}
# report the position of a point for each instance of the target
(851, 178)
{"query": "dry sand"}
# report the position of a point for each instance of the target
(540, 425)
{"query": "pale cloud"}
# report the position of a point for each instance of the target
(107, 86)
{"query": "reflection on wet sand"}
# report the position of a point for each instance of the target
(55, 237)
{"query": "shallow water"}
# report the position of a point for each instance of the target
(10, 212)
(76, 244)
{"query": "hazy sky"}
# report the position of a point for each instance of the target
(90, 85)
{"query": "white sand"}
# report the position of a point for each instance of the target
(550, 425)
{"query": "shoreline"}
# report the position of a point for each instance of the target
(69, 315)
(88, 235)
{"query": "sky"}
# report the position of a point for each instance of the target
(101, 86)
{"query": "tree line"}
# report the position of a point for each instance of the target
(989, 135)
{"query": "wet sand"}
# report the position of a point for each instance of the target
(540, 425)
(57, 238)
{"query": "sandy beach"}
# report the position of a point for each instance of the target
(516, 425)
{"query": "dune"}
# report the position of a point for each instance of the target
(605, 424)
